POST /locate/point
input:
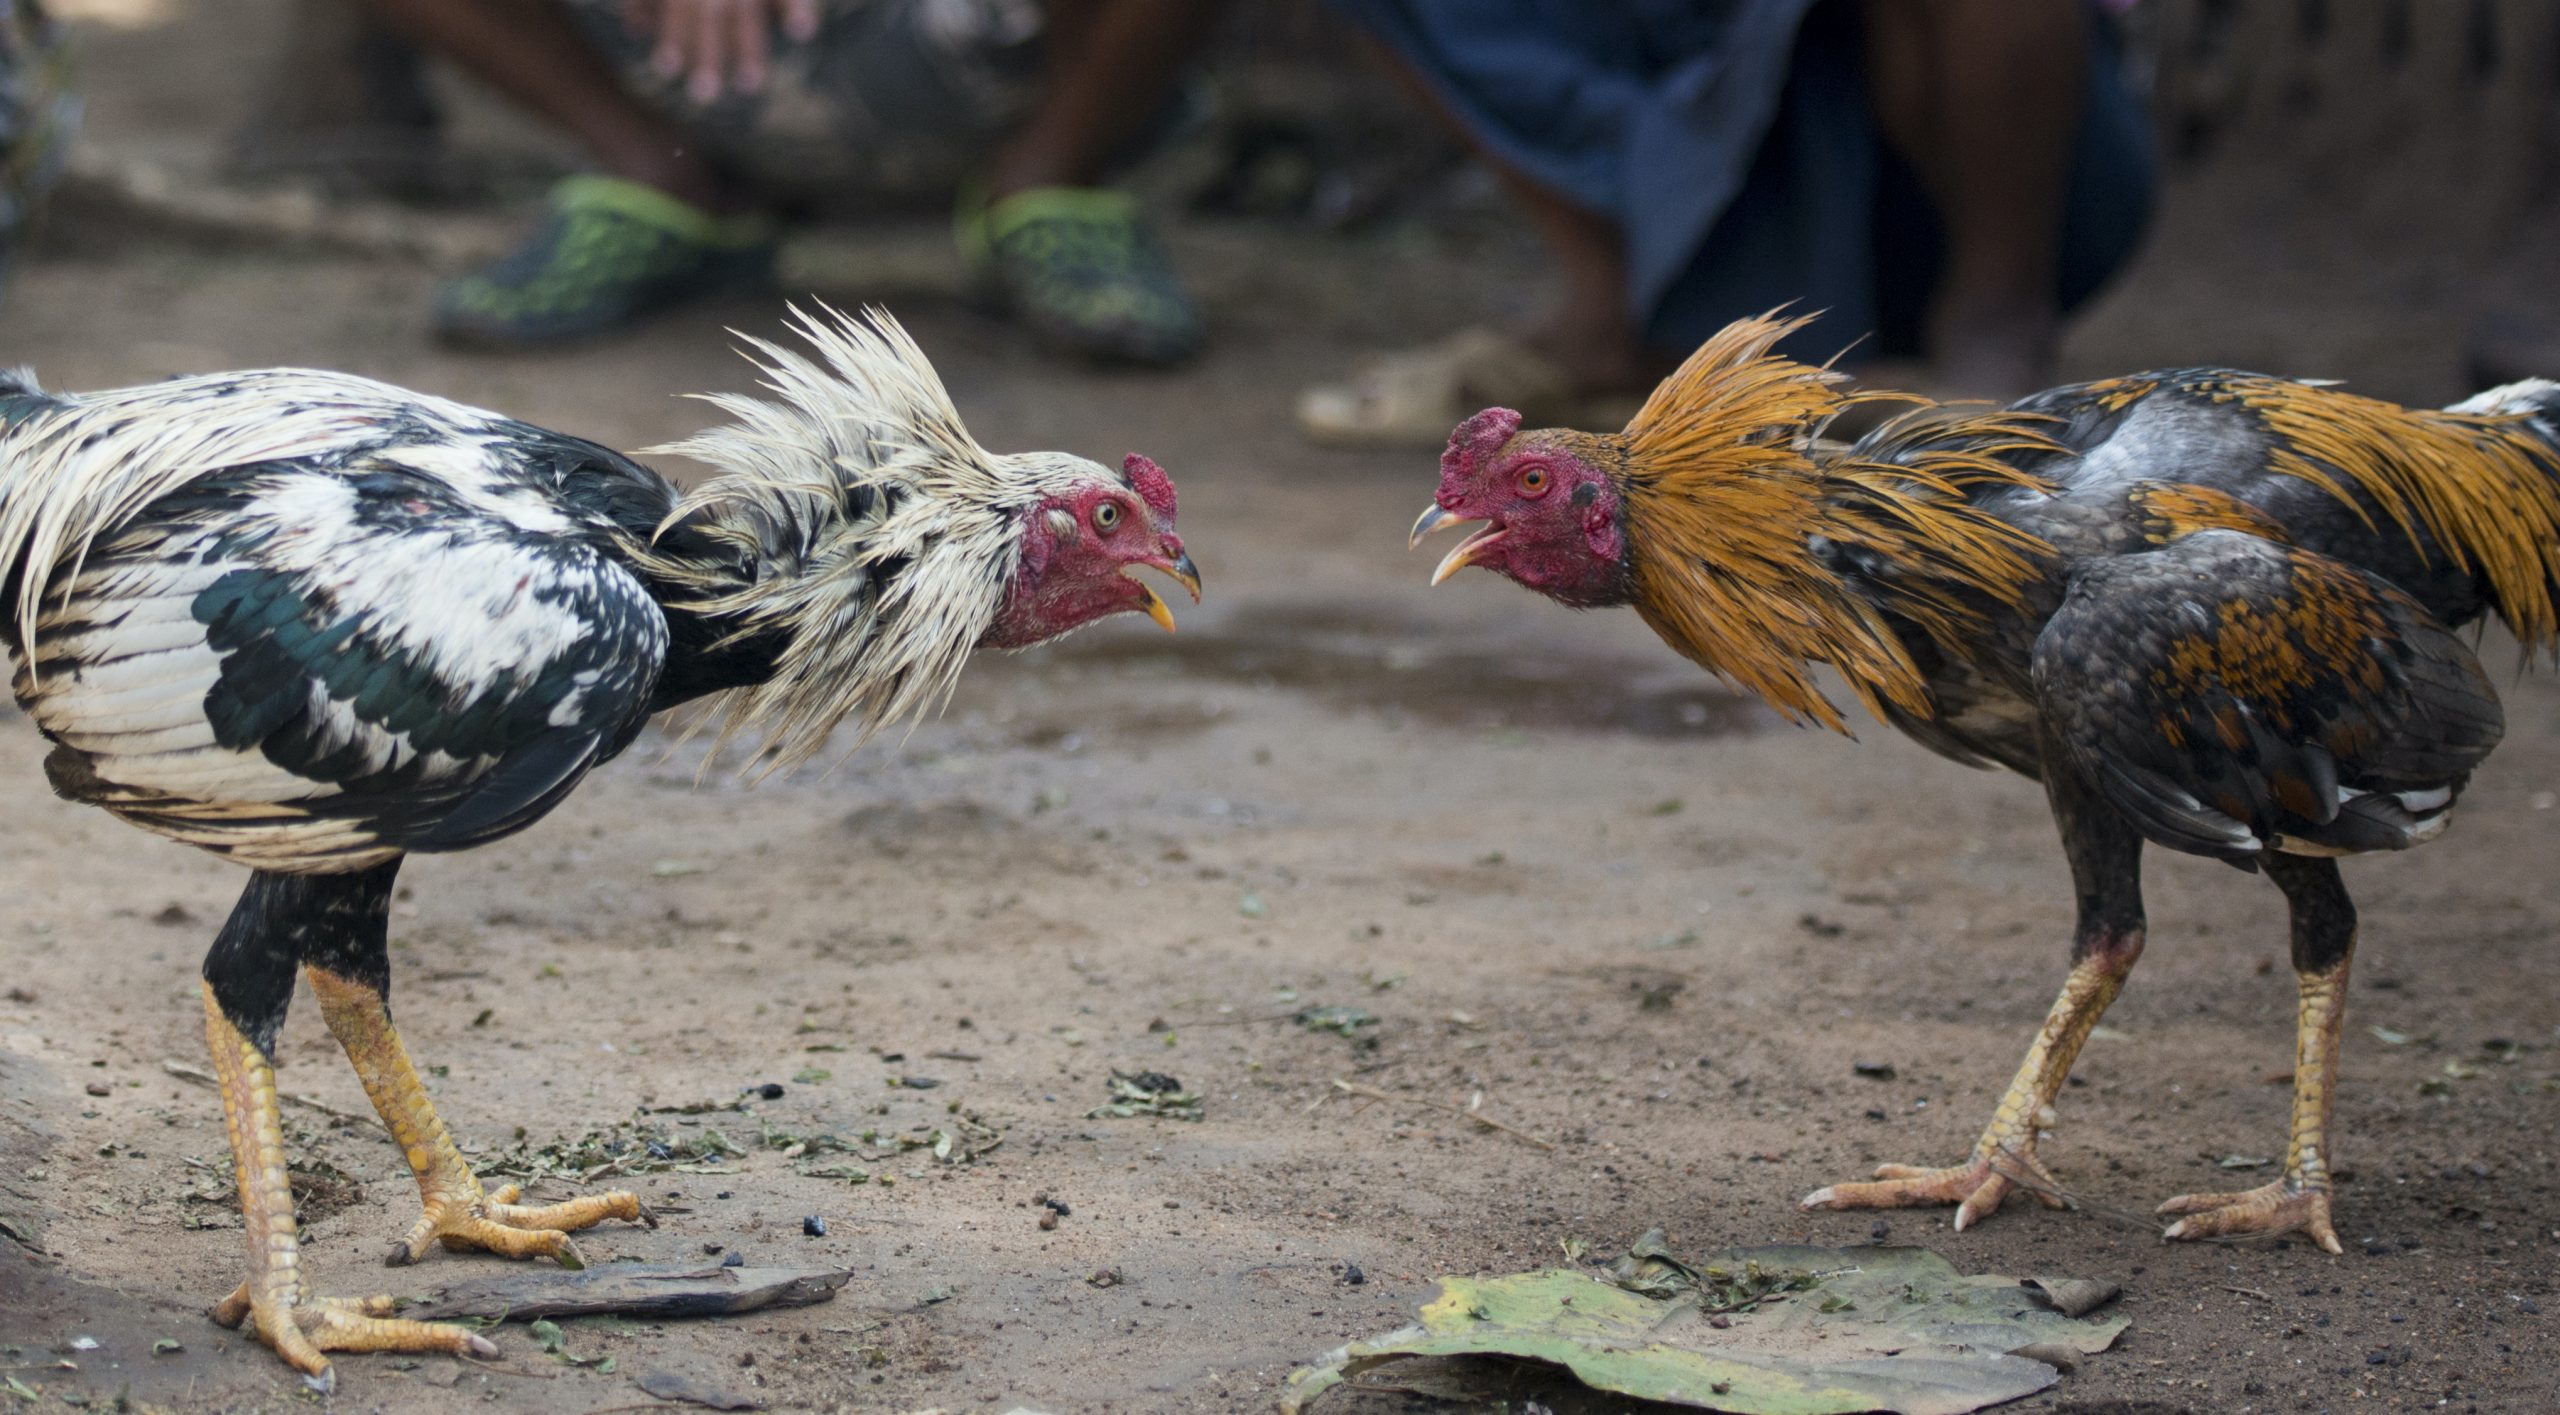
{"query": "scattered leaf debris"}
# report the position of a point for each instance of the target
(1146, 1093)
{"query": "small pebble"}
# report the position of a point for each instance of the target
(770, 1090)
(814, 1226)
(1048, 1221)
(101, 1088)
(1352, 1276)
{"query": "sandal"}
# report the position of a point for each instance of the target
(1083, 270)
(1411, 398)
(610, 252)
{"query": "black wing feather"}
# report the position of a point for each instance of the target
(2230, 695)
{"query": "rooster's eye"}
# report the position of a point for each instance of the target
(1106, 515)
(1533, 482)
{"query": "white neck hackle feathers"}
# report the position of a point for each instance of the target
(883, 537)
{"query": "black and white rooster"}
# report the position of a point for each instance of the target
(315, 623)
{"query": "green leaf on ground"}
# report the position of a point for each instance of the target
(1345, 1020)
(1765, 1331)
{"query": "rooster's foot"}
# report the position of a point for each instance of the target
(1976, 1187)
(299, 1327)
(495, 1223)
(2264, 1212)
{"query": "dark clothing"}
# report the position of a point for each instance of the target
(1733, 142)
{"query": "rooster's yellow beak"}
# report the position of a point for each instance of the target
(1440, 518)
(1436, 518)
(1184, 573)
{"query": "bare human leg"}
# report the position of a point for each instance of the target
(1586, 327)
(530, 51)
(1983, 98)
(1106, 69)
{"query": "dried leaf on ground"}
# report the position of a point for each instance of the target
(2072, 1296)
(1146, 1093)
(1768, 1331)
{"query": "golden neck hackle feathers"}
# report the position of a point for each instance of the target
(2474, 482)
(1725, 495)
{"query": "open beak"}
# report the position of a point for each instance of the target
(1464, 553)
(1184, 573)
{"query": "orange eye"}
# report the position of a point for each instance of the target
(1533, 482)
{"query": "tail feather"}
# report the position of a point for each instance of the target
(2535, 398)
(2535, 403)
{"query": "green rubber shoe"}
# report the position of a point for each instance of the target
(610, 252)
(1085, 273)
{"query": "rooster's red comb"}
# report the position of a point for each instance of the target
(1150, 482)
(1477, 438)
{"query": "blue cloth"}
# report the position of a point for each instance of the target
(1733, 143)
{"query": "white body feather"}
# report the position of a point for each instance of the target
(120, 665)
(858, 532)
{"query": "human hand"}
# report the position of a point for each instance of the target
(712, 42)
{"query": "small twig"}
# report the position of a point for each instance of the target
(2019, 1176)
(2023, 1179)
(2248, 1292)
(1354, 1088)
(202, 1077)
(1289, 1016)
(492, 1368)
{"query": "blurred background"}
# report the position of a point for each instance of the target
(1281, 247)
(2360, 189)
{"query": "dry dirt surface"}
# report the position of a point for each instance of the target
(1575, 884)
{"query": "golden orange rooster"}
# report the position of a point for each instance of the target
(2207, 609)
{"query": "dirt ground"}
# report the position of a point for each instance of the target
(1565, 874)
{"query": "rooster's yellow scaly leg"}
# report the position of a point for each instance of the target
(276, 1300)
(2105, 854)
(458, 1212)
(2005, 1157)
(2299, 1200)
